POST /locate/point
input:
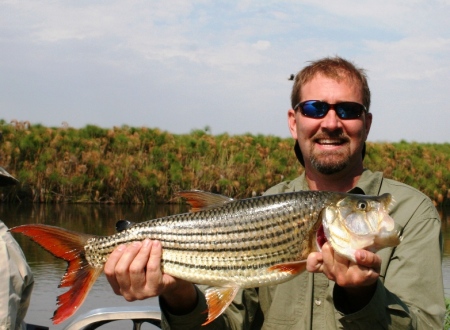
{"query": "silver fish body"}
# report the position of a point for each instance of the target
(241, 240)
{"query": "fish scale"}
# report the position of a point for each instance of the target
(227, 244)
(240, 240)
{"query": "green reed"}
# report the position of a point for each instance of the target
(144, 165)
(447, 314)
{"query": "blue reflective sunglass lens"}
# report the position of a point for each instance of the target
(314, 109)
(318, 109)
(349, 110)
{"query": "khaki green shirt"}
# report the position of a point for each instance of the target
(16, 282)
(409, 294)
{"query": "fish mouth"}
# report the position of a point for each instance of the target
(321, 238)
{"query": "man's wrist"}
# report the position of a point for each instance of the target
(181, 300)
(351, 300)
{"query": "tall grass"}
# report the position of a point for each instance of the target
(447, 314)
(144, 165)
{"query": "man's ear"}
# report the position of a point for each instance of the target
(368, 123)
(292, 123)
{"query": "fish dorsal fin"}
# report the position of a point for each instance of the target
(203, 200)
(218, 299)
(122, 225)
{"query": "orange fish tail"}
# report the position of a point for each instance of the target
(79, 276)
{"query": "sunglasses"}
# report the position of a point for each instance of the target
(319, 109)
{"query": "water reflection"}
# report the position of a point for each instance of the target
(445, 217)
(101, 220)
(47, 270)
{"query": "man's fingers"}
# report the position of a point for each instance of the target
(154, 260)
(314, 263)
(110, 267)
(368, 259)
(118, 264)
(138, 264)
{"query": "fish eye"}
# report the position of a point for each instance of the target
(362, 205)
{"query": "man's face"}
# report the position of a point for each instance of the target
(330, 144)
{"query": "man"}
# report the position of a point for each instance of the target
(16, 278)
(397, 288)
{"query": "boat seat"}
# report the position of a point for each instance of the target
(99, 316)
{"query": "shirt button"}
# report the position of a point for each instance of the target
(318, 302)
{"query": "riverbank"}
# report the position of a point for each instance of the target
(143, 165)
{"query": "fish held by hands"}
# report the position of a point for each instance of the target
(228, 244)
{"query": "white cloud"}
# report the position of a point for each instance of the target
(224, 61)
(261, 45)
(412, 58)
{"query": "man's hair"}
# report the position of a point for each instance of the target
(335, 68)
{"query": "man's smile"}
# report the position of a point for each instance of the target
(330, 141)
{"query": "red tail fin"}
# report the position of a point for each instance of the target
(79, 276)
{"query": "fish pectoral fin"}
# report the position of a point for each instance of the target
(202, 200)
(218, 299)
(293, 268)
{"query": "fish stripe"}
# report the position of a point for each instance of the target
(214, 241)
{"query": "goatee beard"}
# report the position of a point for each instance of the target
(329, 164)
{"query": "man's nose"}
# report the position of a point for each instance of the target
(331, 120)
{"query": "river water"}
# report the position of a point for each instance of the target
(100, 220)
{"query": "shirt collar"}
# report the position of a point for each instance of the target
(368, 184)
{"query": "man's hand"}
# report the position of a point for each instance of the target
(357, 281)
(134, 271)
(344, 272)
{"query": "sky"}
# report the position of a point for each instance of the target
(182, 65)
